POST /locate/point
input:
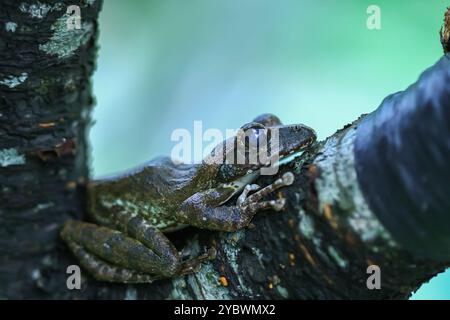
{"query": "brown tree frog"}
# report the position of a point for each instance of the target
(133, 210)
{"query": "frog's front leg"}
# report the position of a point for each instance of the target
(139, 253)
(203, 209)
(286, 180)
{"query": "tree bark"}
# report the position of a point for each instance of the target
(45, 101)
(318, 248)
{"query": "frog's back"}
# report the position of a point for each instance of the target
(151, 190)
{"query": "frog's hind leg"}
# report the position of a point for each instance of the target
(104, 271)
(137, 253)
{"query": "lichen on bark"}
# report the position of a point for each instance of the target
(44, 98)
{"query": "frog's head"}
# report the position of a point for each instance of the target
(274, 141)
(261, 144)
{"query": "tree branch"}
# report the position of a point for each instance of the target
(320, 247)
(45, 100)
(445, 32)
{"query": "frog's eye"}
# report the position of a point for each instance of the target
(251, 136)
(252, 125)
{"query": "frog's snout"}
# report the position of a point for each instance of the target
(293, 138)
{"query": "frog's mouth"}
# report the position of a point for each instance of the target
(286, 141)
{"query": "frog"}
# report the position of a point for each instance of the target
(130, 213)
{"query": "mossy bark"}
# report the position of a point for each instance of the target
(45, 101)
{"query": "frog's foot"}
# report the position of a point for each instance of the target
(253, 202)
(193, 265)
(139, 253)
(198, 210)
(104, 271)
(248, 188)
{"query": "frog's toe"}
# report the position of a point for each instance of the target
(193, 265)
(288, 178)
(253, 187)
(248, 188)
(212, 253)
(278, 205)
(185, 253)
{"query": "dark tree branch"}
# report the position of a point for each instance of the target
(45, 101)
(445, 32)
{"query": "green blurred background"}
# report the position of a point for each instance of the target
(165, 63)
